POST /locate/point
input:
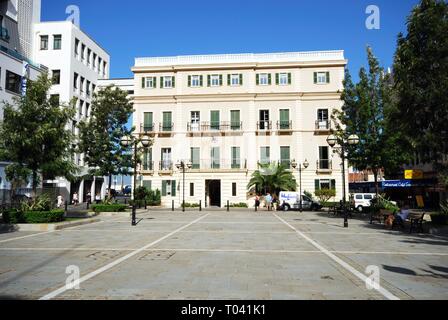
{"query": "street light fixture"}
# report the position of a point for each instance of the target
(129, 141)
(305, 166)
(184, 165)
(352, 140)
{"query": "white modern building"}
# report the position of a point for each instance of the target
(226, 114)
(76, 63)
(17, 18)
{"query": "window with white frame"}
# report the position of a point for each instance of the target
(215, 80)
(195, 81)
(235, 80)
(264, 79)
(321, 77)
(150, 82)
(167, 82)
(283, 79)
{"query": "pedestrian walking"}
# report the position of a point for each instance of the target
(89, 197)
(75, 199)
(60, 201)
(97, 198)
(257, 202)
(268, 199)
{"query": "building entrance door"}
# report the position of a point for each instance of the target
(213, 192)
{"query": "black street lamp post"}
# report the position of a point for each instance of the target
(145, 142)
(184, 165)
(352, 140)
(302, 166)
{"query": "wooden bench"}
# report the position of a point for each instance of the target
(380, 216)
(415, 219)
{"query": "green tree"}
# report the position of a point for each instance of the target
(366, 113)
(421, 82)
(34, 137)
(325, 195)
(272, 178)
(100, 135)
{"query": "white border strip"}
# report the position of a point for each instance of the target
(90, 275)
(387, 294)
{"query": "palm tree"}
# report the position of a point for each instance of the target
(272, 178)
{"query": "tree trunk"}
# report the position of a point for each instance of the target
(34, 185)
(110, 186)
(377, 190)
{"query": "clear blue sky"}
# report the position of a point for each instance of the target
(129, 29)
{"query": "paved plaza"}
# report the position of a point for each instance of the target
(220, 255)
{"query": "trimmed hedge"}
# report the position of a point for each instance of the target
(33, 217)
(239, 205)
(109, 207)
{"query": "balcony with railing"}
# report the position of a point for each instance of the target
(148, 167)
(213, 165)
(4, 34)
(284, 126)
(324, 166)
(148, 128)
(166, 128)
(214, 127)
(166, 167)
(323, 126)
(264, 126)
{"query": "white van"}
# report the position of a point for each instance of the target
(362, 200)
(291, 201)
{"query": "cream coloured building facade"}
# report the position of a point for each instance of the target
(228, 113)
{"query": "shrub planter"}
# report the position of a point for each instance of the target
(32, 217)
(109, 208)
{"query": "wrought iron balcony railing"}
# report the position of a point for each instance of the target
(214, 126)
(323, 125)
(264, 125)
(147, 128)
(284, 125)
(324, 165)
(166, 127)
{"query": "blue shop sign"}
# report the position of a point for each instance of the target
(407, 183)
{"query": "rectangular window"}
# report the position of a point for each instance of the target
(75, 81)
(82, 84)
(166, 159)
(100, 64)
(43, 42)
(169, 188)
(88, 88)
(195, 158)
(56, 78)
(149, 82)
(167, 124)
(147, 184)
(214, 120)
(236, 160)
(94, 61)
(87, 110)
(195, 81)
(234, 189)
(321, 77)
(215, 80)
(76, 48)
(167, 82)
(235, 120)
(195, 121)
(322, 119)
(264, 79)
(83, 52)
(148, 125)
(285, 123)
(265, 156)
(324, 158)
(285, 156)
(57, 42)
(325, 184)
(147, 160)
(235, 80)
(191, 189)
(81, 106)
(215, 157)
(265, 123)
(283, 79)
(89, 57)
(13, 82)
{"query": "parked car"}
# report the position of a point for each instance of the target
(127, 190)
(361, 201)
(290, 201)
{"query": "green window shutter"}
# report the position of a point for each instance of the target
(201, 81)
(228, 79)
(174, 81)
(333, 184)
(220, 80)
(209, 80)
(173, 188)
(195, 158)
(328, 77)
(143, 82)
(147, 184)
(269, 79)
(285, 154)
(241, 79)
(258, 79)
(284, 119)
(277, 78)
(164, 188)
(147, 121)
(316, 185)
(154, 82)
(315, 77)
(236, 161)
(161, 83)
(214, 120)
(167, 121)
(189, 81)
(289, 78)
(235, 121)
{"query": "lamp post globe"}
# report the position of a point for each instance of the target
(126, 141)
(294, 164)
(353, 140)
(306, 164)
(146, 141)
(189, 165)
(332, 140)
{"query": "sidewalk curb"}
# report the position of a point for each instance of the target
(47, 226)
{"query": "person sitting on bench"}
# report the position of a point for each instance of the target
(403, 215)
